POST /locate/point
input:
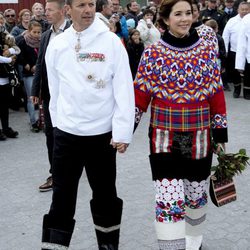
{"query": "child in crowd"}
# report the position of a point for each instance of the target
(222, 50)
(29, 45)
(135, 48)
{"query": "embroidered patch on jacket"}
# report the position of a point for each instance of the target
(182, 143)
(91, 57)
(219, 121)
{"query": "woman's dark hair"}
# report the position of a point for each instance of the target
(147, 11)
(166, 8)
(196, 2)
(33, 23)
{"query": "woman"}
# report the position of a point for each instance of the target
(180, 77)
(38, 15)
(29, 45)
(6, 56)
(24, 19)
(149, 33)
(203, 30)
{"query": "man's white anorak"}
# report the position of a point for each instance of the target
(91, 91)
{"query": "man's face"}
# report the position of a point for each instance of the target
(10, 16)
(229, 4)
(243, 10)
(108, 9)
(212, 4)
(116, 5)
(82, 13)
(53, 13)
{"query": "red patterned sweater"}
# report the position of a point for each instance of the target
(181, 79)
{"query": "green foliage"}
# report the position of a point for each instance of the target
(230, 164)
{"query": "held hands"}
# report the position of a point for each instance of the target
(120, 146)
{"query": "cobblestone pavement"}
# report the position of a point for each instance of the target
(24, 166)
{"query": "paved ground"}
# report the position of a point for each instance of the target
(24, 166)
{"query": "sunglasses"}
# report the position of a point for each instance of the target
(10, 15)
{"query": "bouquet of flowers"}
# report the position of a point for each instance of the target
(222, 188)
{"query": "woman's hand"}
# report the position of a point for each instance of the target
(220, 148)
(120, 146)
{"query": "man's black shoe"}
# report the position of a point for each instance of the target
(10, 133)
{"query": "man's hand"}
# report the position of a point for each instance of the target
(120, 146)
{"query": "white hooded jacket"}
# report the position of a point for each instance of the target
(91, 91)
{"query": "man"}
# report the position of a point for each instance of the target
(132, 11)
(55, 14)
(10, 17)
(242, 62)
(211, 13)
(124, 29)
(228, 12)
(104, 10)
(92, 110)
(230, 36)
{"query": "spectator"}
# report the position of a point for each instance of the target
(23, 22)
(203, 30)
(211, 13)
(242, 62)
(135, 48)
(38, 15)
(230, 35)
(7, 55)
(55, 14)
(222, 50)
(148, 32)
(29, 45)
(228, 12)
(132, 11)
(124, 29)
(10, 19)
(104, 10)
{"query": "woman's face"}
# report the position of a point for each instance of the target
(196, 13)
(36, 32)
(136, 37)
(180, 19)
(26, 17)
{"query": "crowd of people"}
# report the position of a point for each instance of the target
(89, 69)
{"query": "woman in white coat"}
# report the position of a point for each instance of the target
(149, 33)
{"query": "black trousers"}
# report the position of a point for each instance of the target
(72, 153)
(246, 80)
(232, 73)
(5, 96)
(48, 132)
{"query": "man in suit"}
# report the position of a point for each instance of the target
(55, 14)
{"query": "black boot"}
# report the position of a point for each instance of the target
(237, 90)
(107, 220)
(55, 234)
(246, 93)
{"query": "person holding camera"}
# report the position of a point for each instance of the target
(149, 33)
(7, 55)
